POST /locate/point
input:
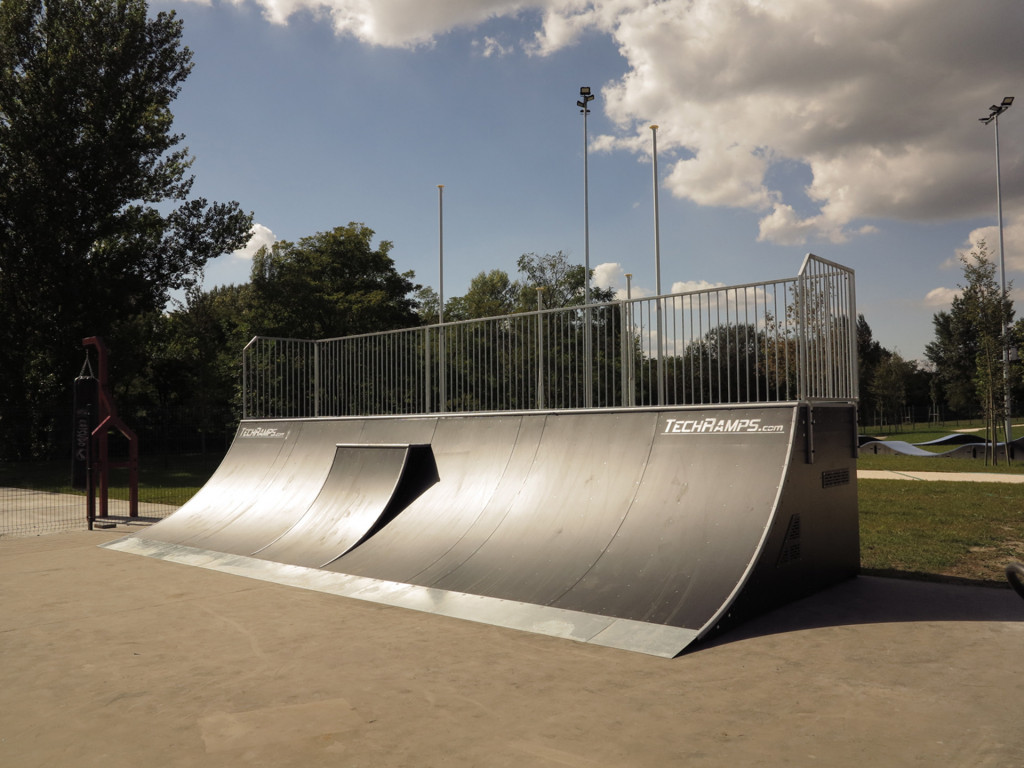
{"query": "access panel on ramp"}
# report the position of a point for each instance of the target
(642, 529)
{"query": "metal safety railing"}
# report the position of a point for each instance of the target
(782, 340)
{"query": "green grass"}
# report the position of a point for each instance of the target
(162, 479)
(958, 530)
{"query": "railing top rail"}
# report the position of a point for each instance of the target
(810, 257)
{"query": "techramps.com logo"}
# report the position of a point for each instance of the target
(714, 425)
(263, 432)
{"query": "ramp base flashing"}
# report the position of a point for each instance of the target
(624, 634)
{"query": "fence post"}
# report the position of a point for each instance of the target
(802, 351)
(540, 348)
(316, 378)
(426, 365)
(442, 377)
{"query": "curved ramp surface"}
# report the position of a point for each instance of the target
(366, 487)
(643, 529)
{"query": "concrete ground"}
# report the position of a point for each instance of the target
(115, 660)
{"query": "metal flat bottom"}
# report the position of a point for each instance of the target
(625, 634)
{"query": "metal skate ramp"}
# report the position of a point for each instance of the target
(642, 529)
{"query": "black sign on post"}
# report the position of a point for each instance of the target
(83, 424)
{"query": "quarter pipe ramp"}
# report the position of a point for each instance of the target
(643, 529)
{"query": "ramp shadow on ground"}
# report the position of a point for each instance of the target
(876, 600)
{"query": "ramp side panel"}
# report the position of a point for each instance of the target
(695, 526)
(481, 462)
(815, 541)
(361, 484)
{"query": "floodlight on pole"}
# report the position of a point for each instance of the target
(994, 112)
(585, 98)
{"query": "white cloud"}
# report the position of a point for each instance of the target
(611, 275)
(259, 236)
(1013, 243)
(393, 23)
(688, 286)
(490, 46)
(877, 100)
(941, 297)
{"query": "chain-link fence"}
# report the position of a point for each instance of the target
(178, 453)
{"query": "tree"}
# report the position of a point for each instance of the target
(869, 355)
(969, 344)
(953, 353)
(890, 381)
(490, 294)
(562, 282)
(197, 365)
(96, 221)
(330, 284)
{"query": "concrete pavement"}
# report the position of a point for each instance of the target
(116, 660)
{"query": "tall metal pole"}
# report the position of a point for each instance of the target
(588, 368)
(657, 272)
(441, 358)
(440, 253)
(996, 111)
(1008, 425)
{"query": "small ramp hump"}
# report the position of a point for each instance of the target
(643, 529)
(367, 486)
(896, 448)
(958, 438)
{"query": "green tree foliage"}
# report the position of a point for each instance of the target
(329, 284)
(889, 387)
(869, 355)
(562, 283)
(200, 357)
(490, 294)
(969, 341)
(96, 221)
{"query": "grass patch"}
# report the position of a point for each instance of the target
(938, 464)
(954, 530)
(162, 479)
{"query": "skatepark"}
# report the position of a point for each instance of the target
(637, 565)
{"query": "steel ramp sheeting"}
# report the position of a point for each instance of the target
(642, 529)
(366, 487)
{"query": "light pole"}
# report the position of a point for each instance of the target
(995, 111)
(588, 396)
(440, 253)
(657, 270)
(442, 384)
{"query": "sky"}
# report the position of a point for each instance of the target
(784, 127)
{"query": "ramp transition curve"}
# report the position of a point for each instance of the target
(638, 529)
